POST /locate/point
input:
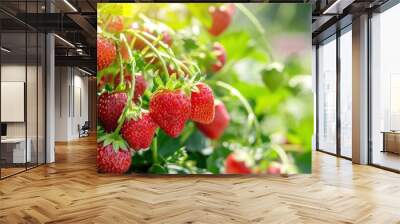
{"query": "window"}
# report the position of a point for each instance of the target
(22, 101)
(327, 96)
(346, 93)
(385, 89)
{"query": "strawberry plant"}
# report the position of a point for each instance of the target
(173, 97)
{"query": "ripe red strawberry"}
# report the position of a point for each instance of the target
(233, 166)
(139, 133)
(140, 84)
(221, 18)
(140, 87)
(216, 128)
(220, 54)
(170, 109)
(202, 104)
(106, 53)
(110, 107)
(274, 168)
(110, 161)
(115, 24)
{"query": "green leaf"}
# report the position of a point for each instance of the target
(167, 145)
(158, 169)
(196, 141)
(178, 157)
(189, 44)
(217, 159)
(141, 161)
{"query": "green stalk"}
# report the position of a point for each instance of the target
(131, 93)
(172, 57)
(252, 119)
(281, 153)
(154, 50)
(178, 63)
(154, 149)
(257, 25)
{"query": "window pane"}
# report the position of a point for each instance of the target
(386, 89)
(345, 94)
(327, 96)
(14, 153)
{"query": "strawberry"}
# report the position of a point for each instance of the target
(140, 87)
(221, 18)
(274, 168)
(220, 54)
(106, 53)
(233, 166)
(110, 107)
(140, 84)
(170, 109)
(216, 128)
(139, 133)
(111, 161)
(202, 104)
(115, 24)
(166, 38)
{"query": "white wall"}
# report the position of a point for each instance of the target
(70, 83)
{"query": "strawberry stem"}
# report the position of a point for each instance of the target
(170, 55)
(154, 148)
(131, 93)
(154, 50)
(258, 26)
(252, 119)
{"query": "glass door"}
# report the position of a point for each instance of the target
(327, 95)
(385, 89)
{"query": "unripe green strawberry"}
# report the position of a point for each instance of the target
(202, 104)
(139, 132)
(221, 18)
(220, 54)
(233, 166)
(106, 52)
(170, 109)
(216, 128)
(273, 76)
(111, 161)
(110, 107)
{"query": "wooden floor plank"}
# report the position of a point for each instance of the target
(71, 191)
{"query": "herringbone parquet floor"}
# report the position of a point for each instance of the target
(70, 191)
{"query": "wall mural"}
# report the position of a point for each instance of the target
(204, 88)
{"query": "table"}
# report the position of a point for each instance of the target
(13, 150)
(391, 141)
